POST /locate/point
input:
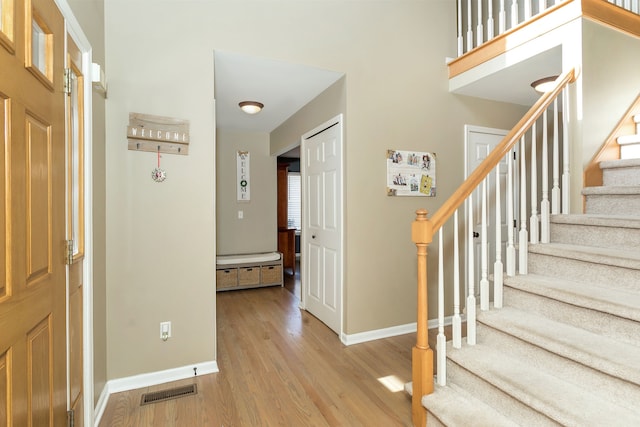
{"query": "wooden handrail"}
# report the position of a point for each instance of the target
(501, 150)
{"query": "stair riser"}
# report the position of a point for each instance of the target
(622, 329)
(583, 271)
(569, 370)
(613, 204)
(595, 235)
(621, 176)
(501, 401)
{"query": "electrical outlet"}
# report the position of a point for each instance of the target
(165, 330)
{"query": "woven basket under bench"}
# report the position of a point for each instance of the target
(248, 271)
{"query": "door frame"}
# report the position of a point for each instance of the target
(339, 121)
(74, 30)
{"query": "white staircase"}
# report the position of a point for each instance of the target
(565, 349)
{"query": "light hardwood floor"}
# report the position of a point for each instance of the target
(281, 366)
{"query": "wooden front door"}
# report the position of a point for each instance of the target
(33, 373)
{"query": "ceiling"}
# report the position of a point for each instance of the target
(511, 83)
(283, 88)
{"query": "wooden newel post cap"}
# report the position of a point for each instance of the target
(421, 228)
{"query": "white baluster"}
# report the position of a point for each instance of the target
(498, 278)
(471, 297)
(460, 37)
(469, 26)
(527, 10)
(627, 4)
(522, 236)
(490, 23)
(542, 6)
(555, 191)
(533, 221)
(502, 18)
(635, 6)
(484, 266)
(566, 176)
(456, 321)
(545, 208)
(479, 29)
(514, 13)
(511, 249)
(441, 340)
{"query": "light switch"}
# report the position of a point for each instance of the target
(240, 214)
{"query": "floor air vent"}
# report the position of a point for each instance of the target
(171, 393)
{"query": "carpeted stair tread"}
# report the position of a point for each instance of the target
(608, 256)
(600, 352)
(622, 163)
(452, 406)
(565, 403)
(625, 190)
(618, 302)
(618, 221)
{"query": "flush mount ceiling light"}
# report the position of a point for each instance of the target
(544, 85)
(251, 107)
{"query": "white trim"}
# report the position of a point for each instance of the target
(390, 332)
(161, 377)
(101, 405)
(73, 29)
(378, 334)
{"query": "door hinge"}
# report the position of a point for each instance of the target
(70, 418)
(69, 252)
(67, 81)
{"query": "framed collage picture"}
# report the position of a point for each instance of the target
(411, 173)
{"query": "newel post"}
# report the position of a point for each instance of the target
(422, 355)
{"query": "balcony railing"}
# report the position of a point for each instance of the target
(479, 21)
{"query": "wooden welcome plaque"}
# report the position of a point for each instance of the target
(158, 134)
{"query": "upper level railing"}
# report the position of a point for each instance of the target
(479, 21)
(535, 186)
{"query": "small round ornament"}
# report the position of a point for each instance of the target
(158, 175)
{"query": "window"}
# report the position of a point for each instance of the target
(293, 182)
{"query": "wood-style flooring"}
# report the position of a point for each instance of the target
(280, 366)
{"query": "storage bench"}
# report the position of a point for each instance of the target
(248, 271)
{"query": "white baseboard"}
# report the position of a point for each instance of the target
(350, 339)
(388, 332)
(150, 379)
(101, 405)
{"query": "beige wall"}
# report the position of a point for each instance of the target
(402, 103)
(90, 15)
(324, 107)
(257, 230)
(160, 237)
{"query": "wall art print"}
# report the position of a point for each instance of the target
(411, 173)
(243, 168)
